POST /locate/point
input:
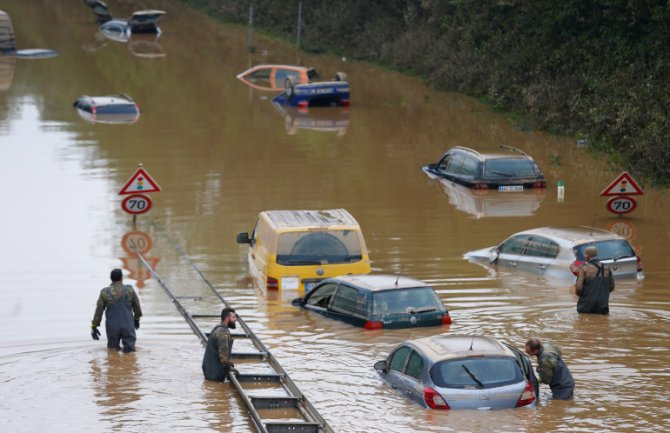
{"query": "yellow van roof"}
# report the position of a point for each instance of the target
(310, 218)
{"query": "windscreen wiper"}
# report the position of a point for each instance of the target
(422, 310)
(472, 375)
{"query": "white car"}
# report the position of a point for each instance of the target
(549, 251)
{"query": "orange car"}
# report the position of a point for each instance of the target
(273, 77)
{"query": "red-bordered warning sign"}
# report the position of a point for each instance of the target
(622, 185)
(621, 205)
(140, 182)
(136, 204)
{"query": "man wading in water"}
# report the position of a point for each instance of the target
(594, 284)
(216, 363)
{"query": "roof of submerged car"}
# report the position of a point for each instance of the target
(379, 282)
(575, 235)
(310, 218)
(441, 347)
(494, 153)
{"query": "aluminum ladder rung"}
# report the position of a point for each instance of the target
(205, 316)
(260, 377)
(249, 355)
(291, 427)
(261, 402)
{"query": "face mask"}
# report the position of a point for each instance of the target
(232, 325)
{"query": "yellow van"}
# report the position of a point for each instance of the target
(295, 249)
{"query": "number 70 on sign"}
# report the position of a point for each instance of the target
(136, 204)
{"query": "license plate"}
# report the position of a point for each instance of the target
(309, 286)
(510, 188)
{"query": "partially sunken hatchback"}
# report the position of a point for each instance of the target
(460, 372)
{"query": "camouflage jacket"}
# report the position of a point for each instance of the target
(547, 360)
(588, 271)
(114, 293)
(224, 344)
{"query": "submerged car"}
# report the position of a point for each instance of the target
(550, 251)
(315, 94)
(460, 372)
(273, 77)
(118, 29)
(377, 301)
(8, 42)
(512, 171)
(107, 109)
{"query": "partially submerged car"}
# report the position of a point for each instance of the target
(315, 94)
(8, 42)
(551, 251)
(460, 372)
(510, 171)
(107, 109)
(377, 301)
(118, 29)
(272, 77)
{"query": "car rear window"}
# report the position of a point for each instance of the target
(509, 168)
(607, 250)
(491, 371)
(318, 248)
(404, 301)
(116, 109)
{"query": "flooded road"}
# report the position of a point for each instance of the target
(222, 153)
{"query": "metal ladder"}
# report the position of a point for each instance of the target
(299, 414)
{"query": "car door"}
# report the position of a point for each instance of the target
(396, 367)
(412, 383)
(511, 250)
(539, 253)
(526, 368)
(349, 304)
(319, 298)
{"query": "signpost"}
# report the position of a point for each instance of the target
(139, 184)
(620, 189)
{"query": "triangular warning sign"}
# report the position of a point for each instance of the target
(140, 182)
(623, 185)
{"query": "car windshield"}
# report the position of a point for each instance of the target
(509, 168)
(479, 372)
(405, 301)
(607, 250)
(319, 247)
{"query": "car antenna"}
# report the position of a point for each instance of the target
(398, 277)
(473, 338)
(593, 226)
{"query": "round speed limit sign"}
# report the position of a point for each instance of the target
(136, 204)
(621, 204)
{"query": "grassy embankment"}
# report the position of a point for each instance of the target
(597, 70)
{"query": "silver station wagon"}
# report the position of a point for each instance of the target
(460, 372)
(549, 251)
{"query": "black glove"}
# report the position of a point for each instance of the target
(137, 324)
(95, 334)
(234, 371)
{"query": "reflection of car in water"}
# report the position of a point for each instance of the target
(505, 172)
(7, 65)
(107, 109)
(550, 251)
(377, 301)
(294, 250)
(317, 119)
(483, 203)
(8, 43)
(273, 77)
(460, 372)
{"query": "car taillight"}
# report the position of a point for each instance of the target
(527, 396)
(345, 102)
(137, 108)
(480, 186)
(94, 109)
(574, 267)
(272, 283)
(435, 400)
(540, 184)
(639, 264)
(446, 319)
(371, 324)
(303, 104)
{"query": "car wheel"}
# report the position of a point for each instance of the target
(289, 85)
(340, 76)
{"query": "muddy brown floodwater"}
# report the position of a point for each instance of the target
(221, 153)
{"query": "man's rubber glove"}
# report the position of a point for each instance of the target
(94, 332)
(234, 371)
(137, 324)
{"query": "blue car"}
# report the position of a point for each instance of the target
(376, 301)
(317, 94)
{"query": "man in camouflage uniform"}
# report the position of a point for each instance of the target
(216, 363)
(551, 368)
(594, 284)
(122, 314)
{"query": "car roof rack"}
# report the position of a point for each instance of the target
(467, 149)
(513, 149)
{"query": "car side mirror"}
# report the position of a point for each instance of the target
(243, 238)
(296, 302)
(381, 366)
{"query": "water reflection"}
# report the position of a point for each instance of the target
(116, 378)
(333, 119)
(484, 203)
(7, 65)
(135, 242)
